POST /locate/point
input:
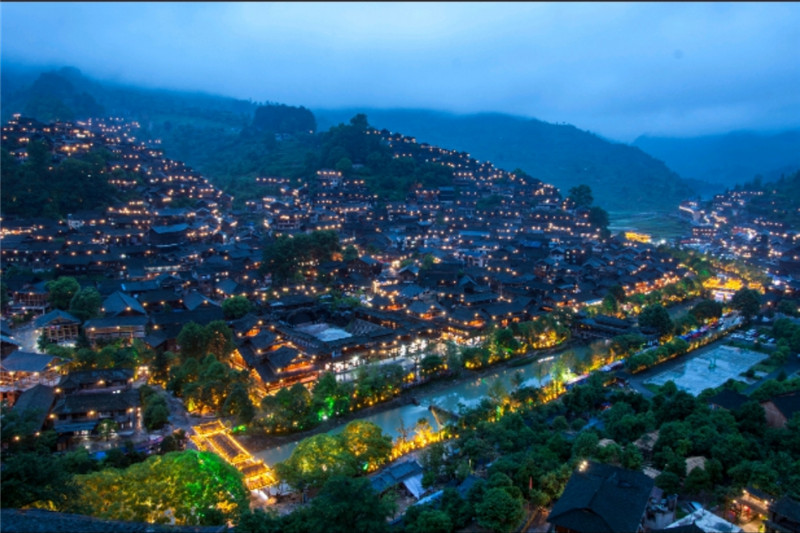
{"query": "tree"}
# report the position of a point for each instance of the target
(430, 521)
(196, 488)
(350, 253)
(192, 340)
(315, 460)
(656, 317)
(598, 217)
(61, 291)
(747, 302)
(581, 195)
(236, 307)
(706, 310)
(238, 404)
(367, 443)
(348, 505)
(499, 511)
(86, 303)
(156, 413)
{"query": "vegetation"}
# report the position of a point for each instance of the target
(290, 257)
(361, 447)
(40, 187)
(194, 488)
(236, 307)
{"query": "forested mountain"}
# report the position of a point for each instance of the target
(621, 177)
(229, 139)
(728, 159)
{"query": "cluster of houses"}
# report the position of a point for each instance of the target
(729, 226)
(447, 263)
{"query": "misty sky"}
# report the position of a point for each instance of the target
(618, 69)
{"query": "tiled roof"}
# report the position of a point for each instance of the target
(602, 498)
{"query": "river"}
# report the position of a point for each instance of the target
(466, 392)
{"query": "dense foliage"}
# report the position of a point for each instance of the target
(191, 487)
(42, 187)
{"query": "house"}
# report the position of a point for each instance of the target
(121, 304)
(90, 396)
(112, 379)
(407, 473)
(37, 402)
(58, 326)
(366, 266)
(601, 497)
(23, 370)
(115, 327)
(784, 516)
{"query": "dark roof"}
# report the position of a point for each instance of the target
(119, 302)
(38, 399)
(97, 401)
(20, 361)
(112, 321)
(76, 378)
(787, 507)
(603, 498)
(41, 521)
(194, 299)
(282, 357)
(394, 474)
(728, 399)
(55, 315)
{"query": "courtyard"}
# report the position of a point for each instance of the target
(709, 369)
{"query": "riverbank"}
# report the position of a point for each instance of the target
(260, 442)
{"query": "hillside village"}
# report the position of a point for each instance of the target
(447, 264)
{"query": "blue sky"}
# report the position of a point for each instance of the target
(618, 69)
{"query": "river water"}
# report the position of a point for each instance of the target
(468, 393)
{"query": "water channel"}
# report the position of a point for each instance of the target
(467, 392)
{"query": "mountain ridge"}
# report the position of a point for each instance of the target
(561, 154)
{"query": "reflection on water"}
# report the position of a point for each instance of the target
(466, 393)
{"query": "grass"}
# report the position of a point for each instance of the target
(659, 225)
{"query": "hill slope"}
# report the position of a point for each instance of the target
(620, 176)
(728, 159)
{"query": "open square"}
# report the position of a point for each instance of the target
(710, 369)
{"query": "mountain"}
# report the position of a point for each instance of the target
(622, 178)
(728, 159)
(67, 94)
(226, 138)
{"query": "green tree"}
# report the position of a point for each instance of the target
(236, 307)
(706, 310)
(156, 413)
(581, 195)
(197, 488)
(599, 217)
(61, 291)
(499, 511)
(348, 505)
(657, 318)
(747, 302)
(430, 521)
(315, 460)
(367, 443)
(86, 303)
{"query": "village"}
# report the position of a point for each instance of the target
(447, 266)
